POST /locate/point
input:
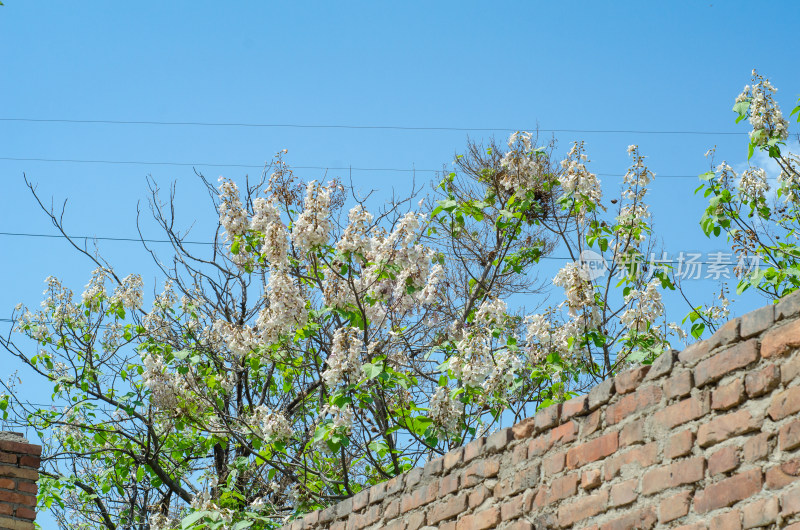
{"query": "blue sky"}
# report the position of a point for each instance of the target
(635, 66)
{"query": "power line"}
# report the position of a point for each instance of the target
(340, 126)
(248, 166)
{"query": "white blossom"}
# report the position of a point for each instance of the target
(313, 226)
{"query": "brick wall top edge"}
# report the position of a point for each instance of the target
(751, 326)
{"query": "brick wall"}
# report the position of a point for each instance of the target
(19, 464)
(706, 438)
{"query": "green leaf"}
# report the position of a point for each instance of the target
(192, 518)
(373, 370)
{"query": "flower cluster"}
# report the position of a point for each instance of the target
(764, 113)
(129, 293)
(165, 388)
(523, 165)
(753, 184)
(445, 411)
(578, 288)
(270, 425)
(267, 221)
(647, 307)
(578, 183)
(313, 226)
(344, 361)
(286, 309)
(232, 215)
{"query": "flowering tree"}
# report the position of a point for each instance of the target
(760, 224)
(310, 354)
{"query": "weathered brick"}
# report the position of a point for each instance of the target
(480, 470)
(673, 475)
(18, 472)
(564, 433)
(726, 521)
(433, 467)
(725, 362)
(754, 322)
(789, 436)
(679, 385)
(21, 448)
(790, 502)
(553, 464)
(762, 512)
(473, 449)
(756, 447)
(591, 479)
(788, 306)
(662, 365)
(583, 508)
(728, 491)
(478, 495)
(593, 450)
(780, 341)
(360, 500)
(641, 457)
(560, 488)
(512, 508)
(415, 521)
(723, 427)
(17, 498)
(547, 417)
(591, 423)
(377, 492)
(632, 433)
(642, 519)
(723, 461)
(577, 406)
(7, 523)
(413, 500)
(728, 396)
(785, 403)
(629, 380)
(681, 412)
(631, 404)
(624, 492)
(674, 507)
(488, 518)
(524, 429)
(679, 444)
(694, 352)
(763, 381)
(783, 474)
(790, 370)
(499, 440)
(454, 458)
(448, 484)
(521, 479)
(447, 509)
(519, 454)
(725, 334)
(601, 394)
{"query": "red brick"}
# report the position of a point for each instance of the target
(756, 447)
(728, 396)
(672, 475)
(454, 458)
(592, 451)
(547, 417)
(785, 404)
(783, 474)
(694, 352)
(448, 484)
(18, 498)
(591, 423)
(23, 512)
(641, 457)
(762, 512)
(678, 385)
(525, 478)
(480, 470)
(779, 341)
(8, 458)
(789, 436)
(523, 429)
(562, 434)
(512, 508)
(679, 444)
(757, 321)
(725, 334)
(632, 433)
(790, 502)
(729, 491)
(7, 484)
(624, 493)
(674, 507)
(681, 412)
(725, 362)
(553, 464)
(27, 487)
(763, 381)
(591, 479)
(447, 509)
(643, 519)
(582, 508)
(723, 461)
(19, 472)
(473, 449)
(21, 448)
(574, 407)
(723, 427)
(419, 497)
(488, 518)
(6, 509)
(30, 461)
(630, 380)
(631, 404)
(561, 488)
(726, 521)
